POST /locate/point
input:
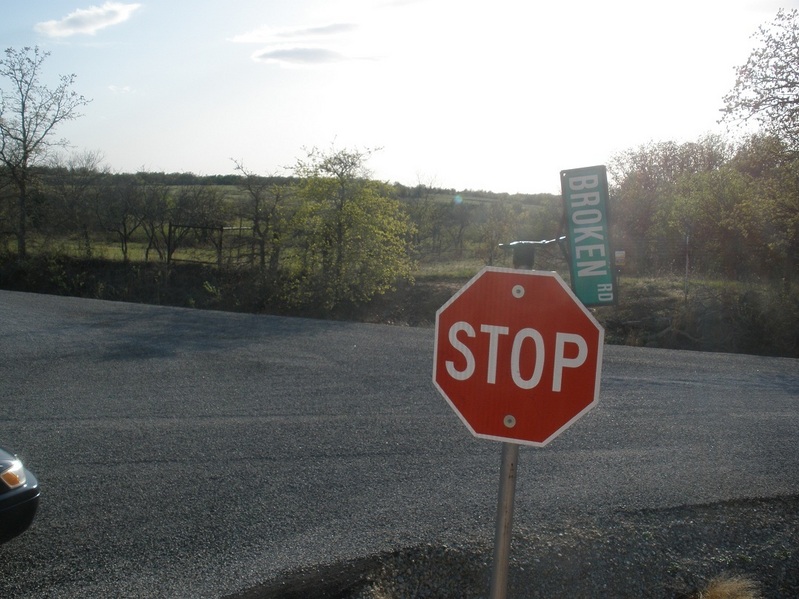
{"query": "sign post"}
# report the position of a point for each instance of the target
(504, 522)
(518, 358)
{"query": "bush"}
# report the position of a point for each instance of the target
(724, 316)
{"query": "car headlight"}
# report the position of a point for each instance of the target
(13, 474)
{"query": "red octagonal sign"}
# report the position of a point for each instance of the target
(517, 355)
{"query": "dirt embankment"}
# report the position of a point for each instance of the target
(656, 312)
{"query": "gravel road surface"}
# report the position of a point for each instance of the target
(184, 453)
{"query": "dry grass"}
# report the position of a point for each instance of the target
(729, 587)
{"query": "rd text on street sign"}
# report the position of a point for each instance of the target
(517, 355)
(585, 198)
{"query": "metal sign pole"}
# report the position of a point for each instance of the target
(523, 257)
(502, 535)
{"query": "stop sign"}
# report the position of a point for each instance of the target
(517, 355)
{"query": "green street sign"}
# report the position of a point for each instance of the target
(585, 199)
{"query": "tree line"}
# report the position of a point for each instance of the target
(330, 233)
(327, 236)
(724, 210)
(718, 209)
(328, 227)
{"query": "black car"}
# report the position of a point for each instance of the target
(19, 496)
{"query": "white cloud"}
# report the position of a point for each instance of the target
(299, 46)
(298, 56)
(88, 21)
(266, 35)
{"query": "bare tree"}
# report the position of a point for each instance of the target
(194, 210)
(121, 209)
(266, 199)
(155, 214)
(30, 112)
(74, 183)
(767, 86)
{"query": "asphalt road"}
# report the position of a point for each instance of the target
(185, 453)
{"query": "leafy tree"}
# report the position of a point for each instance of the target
(730, 211)
(767, 86)
(353, 235)
(644, 189)
(768, 90)
(707, 209)
(495, 228)
(771, 210)
(30, 112)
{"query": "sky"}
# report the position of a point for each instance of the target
(496, 96)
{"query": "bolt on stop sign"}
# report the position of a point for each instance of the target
(517, 355)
